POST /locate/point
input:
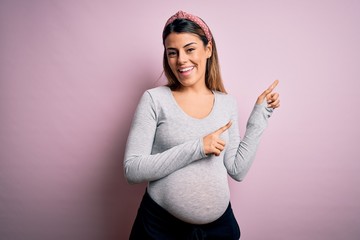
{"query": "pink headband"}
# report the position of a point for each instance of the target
(195, 19)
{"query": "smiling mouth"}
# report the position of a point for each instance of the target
(184, 70)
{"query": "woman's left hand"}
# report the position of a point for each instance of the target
(271, 98)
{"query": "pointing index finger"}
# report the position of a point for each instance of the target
(273, 85)
(224, 128)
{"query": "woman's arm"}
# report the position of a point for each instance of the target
(139, 164)
(240, 154)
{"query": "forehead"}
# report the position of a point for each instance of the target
(181, 39)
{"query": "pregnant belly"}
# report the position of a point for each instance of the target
(198, 193)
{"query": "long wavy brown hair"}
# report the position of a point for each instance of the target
(213, 78)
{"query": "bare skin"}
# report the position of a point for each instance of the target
(195, 105)
(187, 57)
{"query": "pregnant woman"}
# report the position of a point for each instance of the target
(184, 141)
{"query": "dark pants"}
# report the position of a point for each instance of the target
(154, 222)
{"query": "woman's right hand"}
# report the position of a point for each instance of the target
(212, 142)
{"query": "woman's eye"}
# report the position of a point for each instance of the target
(171, 54)
(191, 49)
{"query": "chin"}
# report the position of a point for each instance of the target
(187, 83)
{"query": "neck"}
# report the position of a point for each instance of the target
(195, 89)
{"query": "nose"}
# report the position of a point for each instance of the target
(182, 58)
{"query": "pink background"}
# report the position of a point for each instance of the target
(72, 73)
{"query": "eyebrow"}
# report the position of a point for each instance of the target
(170, 48)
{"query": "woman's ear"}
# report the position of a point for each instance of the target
(209, 50)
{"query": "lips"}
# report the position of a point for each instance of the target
(186, 69)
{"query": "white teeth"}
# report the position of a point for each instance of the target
(186, 69)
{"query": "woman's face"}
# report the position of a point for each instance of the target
(187, 55)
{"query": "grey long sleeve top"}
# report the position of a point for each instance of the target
(165, 149)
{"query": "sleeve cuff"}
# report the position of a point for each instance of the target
(263, 109)
(202, 152)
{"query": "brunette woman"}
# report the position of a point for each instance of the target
(184, 141)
